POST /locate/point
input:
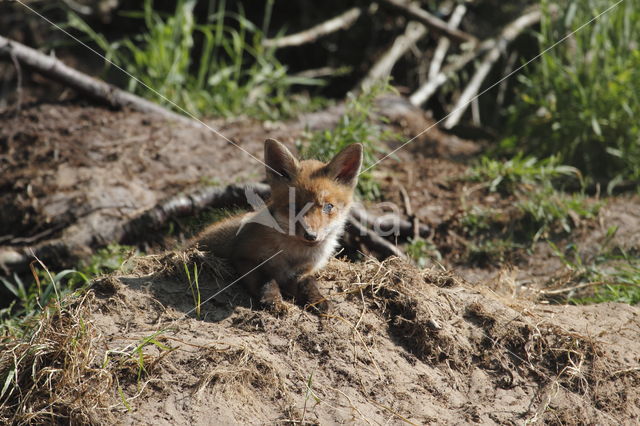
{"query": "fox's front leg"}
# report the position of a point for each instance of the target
(262, 289)
(305, 291)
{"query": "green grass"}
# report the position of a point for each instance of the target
(611, 275)
(508, 177)
(540, 209)
(216, 68)
(32, 294)
(194, 286)
(360, 124)
(422, 252)
(579, 100)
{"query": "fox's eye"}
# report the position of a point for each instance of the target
(327, 208)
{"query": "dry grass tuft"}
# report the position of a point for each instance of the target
(54, 375)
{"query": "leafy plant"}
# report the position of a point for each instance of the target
(234, 73)
(547, 210)
(539, 210)
(32, 296)
(421, 251)
(611, 275)
(360, 124)
(509, 176)
(578, 100)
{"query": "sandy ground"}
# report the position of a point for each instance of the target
(401, 346)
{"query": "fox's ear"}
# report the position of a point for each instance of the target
(345, 166)
(281, 164)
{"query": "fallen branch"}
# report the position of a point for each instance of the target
(145, 227)
(371, 240)
(382, 68)
(389, 224)
(508, 34)
(236, 196)
(55, 69)
(340, 22)
(190, 204)
(427, 19)
(444, 43)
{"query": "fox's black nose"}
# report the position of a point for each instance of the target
(310, 235)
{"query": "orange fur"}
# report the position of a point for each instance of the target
(246, 243)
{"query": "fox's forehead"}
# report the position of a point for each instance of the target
(313, 185)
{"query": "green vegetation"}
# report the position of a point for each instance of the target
(611, 275)
(579, 100)
(360, 124)
(194, 286)
(507, 177)
(540, 210)
(32, 296)
(422, 251)
(232, 75)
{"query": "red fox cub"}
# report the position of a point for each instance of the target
(302, 221)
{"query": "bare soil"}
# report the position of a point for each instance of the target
(402, 345)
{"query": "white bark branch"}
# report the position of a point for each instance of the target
(508, 34)
(444, 43)
(340, 22)
(427, 19)
(382, 68)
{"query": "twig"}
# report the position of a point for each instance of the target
(508, 34)
(372, 240)
(382, 68)
(427, 19)
(444, 43)
(474, 86)
(409, 211)
(340, 22)
(57, 70)
(16, 64)
(389, 221)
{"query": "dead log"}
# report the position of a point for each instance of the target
(340, 22)
(145, 226)
(508, 34)
(55, 69)
(430, 21)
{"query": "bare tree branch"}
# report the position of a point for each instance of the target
(444, 43)
(57, 70)
(427, 19)
(372, 240)
(382, 68)
(402, 227)
(340, 22)
(508, 34)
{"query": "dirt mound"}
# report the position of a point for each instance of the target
(401, 345)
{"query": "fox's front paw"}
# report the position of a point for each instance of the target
(321, 306)
(277, 307)
(309, 295)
